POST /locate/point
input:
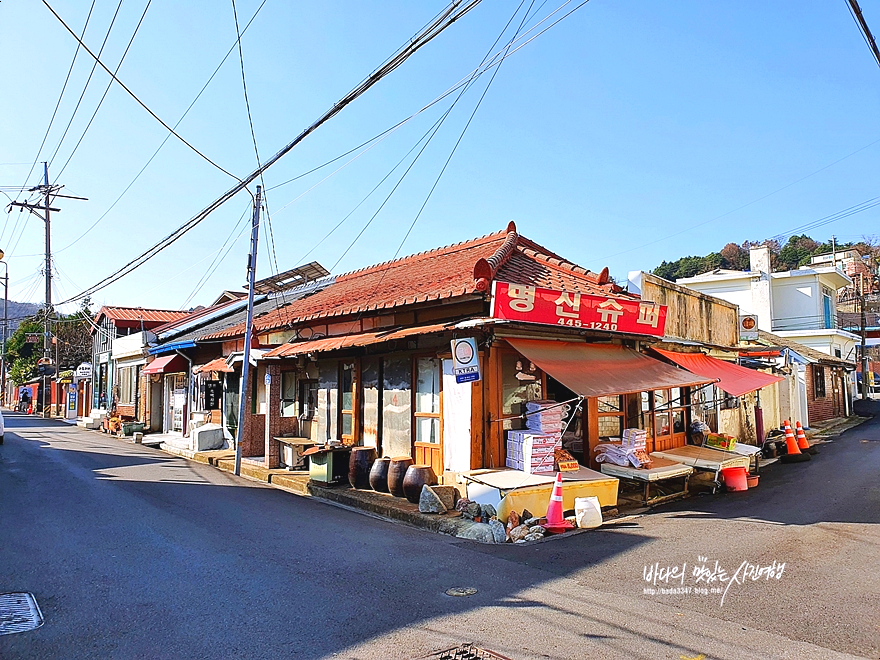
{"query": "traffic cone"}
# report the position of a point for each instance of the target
(793, 453)
(556, 523)
(803, 444)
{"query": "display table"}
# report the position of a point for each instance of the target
(753, 452)
(661, 470)
(510, 490)
(704, 458)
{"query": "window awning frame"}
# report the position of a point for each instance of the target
(594, 370)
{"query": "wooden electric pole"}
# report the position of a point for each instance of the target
(49, 192)
(248, 334)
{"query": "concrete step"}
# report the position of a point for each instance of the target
(88, 423)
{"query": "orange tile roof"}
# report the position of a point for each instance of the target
(458, 270)
(140, 314)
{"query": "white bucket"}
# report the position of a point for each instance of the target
(588, 512)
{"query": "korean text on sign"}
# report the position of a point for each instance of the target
(520, 302)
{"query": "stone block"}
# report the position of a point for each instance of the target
(430, 502)
(481, 532)
(449, 495)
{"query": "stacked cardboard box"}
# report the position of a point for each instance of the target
(634, 438)
(531, 452)
(544, 416)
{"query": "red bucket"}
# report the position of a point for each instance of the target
(735, 478)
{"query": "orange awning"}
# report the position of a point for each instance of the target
(166, 365)
(603, 369)
(733, 379)
(347, 341)
(214, 365)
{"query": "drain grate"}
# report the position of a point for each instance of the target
(19, 613)
(465, 652)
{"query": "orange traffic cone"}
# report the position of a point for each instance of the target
(803, 444)
(793, 453)
(555, 521)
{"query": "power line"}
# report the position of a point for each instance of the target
(134, 96)
(270, 234)
(438, 125)
(106, 90)
(461, 136)
(453, 13)
(88, 80)
(54, 112)
(167, 137)
(208, 272)
(856, 13)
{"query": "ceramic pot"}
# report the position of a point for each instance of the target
(379, 474)
(396, 472)
(416, 477)
(359, 466)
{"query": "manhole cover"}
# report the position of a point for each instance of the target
(461, 591)
(466, 652)
(19, 613)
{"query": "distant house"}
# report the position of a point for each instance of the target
(119, 335)
(797, 305)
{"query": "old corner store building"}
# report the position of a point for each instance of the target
(365, 357)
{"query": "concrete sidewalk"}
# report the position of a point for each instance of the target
(383, 505)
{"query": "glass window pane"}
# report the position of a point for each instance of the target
(610, 404)
(518, 383)
(428, 430)
(346, 424)
(675, 394)
(662, 423)
(609, 426)
(661, 398)
(288, 385)
(678, 421)
(347, 386)
(288, 408)
(646, 401)
(428, 385)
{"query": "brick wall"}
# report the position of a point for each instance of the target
(826, 407)
(125, 410)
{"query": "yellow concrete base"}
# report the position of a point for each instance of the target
(536, 498)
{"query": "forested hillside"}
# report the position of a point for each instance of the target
(796, 252)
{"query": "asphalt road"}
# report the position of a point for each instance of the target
(132, 553)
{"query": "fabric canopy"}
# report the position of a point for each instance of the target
(166, 365)
(733, 379)
(214, 365)
(603, 369)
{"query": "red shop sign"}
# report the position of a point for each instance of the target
(520, 302)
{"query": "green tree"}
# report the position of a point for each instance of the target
(22, 356)
(797, 252)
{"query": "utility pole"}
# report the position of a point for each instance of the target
(49, 192)
(46, 347)
(248, 334)
(863, 357)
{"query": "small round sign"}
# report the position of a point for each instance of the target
(464, 352)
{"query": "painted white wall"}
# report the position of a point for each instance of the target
(456, 422)
(797, 304)
(737, 291)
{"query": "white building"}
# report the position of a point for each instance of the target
(800, 305)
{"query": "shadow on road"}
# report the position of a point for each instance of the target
(130, 551)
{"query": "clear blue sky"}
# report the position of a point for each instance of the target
(622, 126)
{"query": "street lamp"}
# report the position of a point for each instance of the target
(5, 326)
